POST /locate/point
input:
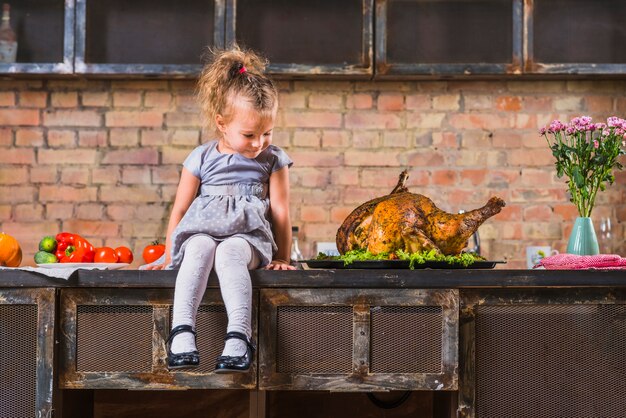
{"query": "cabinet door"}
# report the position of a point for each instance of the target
(543, 353)
(317, 37)
(26, 352)
(576, 36)
(115, 339)
(146, 37)
(45, 37)
(448, 37)
(358, 340)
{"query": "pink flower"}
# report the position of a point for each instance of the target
(596, 144)
(542, 131)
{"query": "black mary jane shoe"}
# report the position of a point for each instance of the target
(187, 360)
(236, 364)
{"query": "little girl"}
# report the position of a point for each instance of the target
(231, 210)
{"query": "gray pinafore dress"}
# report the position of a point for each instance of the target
(233, 199)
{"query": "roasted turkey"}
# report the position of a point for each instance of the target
(411, 222)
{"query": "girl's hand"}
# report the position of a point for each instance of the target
(159, 266)
(279, 265)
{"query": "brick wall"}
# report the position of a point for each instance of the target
(102, 157)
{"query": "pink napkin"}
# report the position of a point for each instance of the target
(581, 262)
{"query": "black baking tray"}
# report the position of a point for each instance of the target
(396, 264)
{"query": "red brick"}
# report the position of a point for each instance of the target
(320, 231)
(74, 176)
(67, 156)
(64, 99)
(188, 137)
(19, 117)
(122, 119)
(59, 139)
(335, 138)
(539, 157)
(473, 177)
(129, 194)
(509, 139)
(474, 140)
(325, 101)
(29, 138)
(136, 175)
(126, 99)
(423, 159)
(33, 99)
(95, 98)
(158, 99)
(508, 103)
(6, 137)
(378, 177)
(449, 102)
(59, 211)
(445, 140)
(511, 212)
(313, 214)
(154, 137)
(365, 139)
(371, 158)
(5, 211)
(310, 177)
(359, 101)
(537, 104)
(108, 175)
(92, 139)
(280, 138)
(537, 177)
(524, 121)
(172, 155)
(477, 102)
(145, 230)
(511, 230)
(24, 231)
(17, 156)
(124, 137)
(65, 118)
(7, 98)
(292, 100)
(165, 175)
(312, 119)
(29, 212)
(538, 213)
(302, 138)
(133, 156)
(90, 211)
(18, 175)
(390, 102)
(58, 193)
(89, 228)
(395, 139)
(183, 119)
(444, 177)
(566, 211)
(339, 214)
(316, 159)
(520, 195)
(478, 121)
(502, 178)
(121, 212)
(344, 176)
(424, 120)
(372, 120)
(418, 101)
(541, 230)
(142, 84)
(43, 174)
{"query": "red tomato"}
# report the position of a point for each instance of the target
(125, 255)
(153, 251)
(105, 255)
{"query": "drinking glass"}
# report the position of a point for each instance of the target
(605, 237)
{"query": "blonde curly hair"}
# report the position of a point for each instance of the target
(230, 74)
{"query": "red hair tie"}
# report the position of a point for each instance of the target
(242, 70)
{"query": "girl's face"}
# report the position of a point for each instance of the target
(247, 132)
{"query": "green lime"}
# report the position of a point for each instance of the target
(42, 257)
(48, 244)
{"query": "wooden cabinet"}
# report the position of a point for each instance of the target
(358, 340)
(115, 339)
(27, 352)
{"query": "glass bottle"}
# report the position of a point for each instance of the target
(8, 40)
(296, 254)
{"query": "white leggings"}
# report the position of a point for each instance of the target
(232, 258)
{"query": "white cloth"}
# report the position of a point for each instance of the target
(56, 272)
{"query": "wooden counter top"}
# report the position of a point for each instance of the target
(366, 279)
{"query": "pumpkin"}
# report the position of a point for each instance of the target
(10, 251)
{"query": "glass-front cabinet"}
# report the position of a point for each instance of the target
(350, 39)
